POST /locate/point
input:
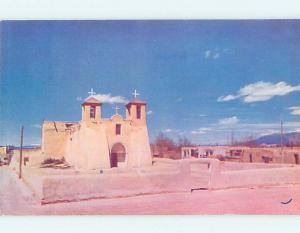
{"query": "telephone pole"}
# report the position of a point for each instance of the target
(21, 155)
(281, 140)
(232, 137)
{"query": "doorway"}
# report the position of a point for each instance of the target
(117, 155)
(250, 158)
(296, 158)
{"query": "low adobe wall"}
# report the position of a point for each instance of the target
(82, 187)
(233, 166)
(165, 176)
(257, 178)
(254, 175)
(74, 187)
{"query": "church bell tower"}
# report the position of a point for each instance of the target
(91, 108)
(136, 110)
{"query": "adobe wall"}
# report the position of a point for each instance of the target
(287, 155)
(3, 150)
(74, 187)
(257, 177)
(257, 154)
(34, 158)
(274, 154)
(87, 147)
(106, 186)
(140, 151)
(54, 137)
(165, 176)
(231, 166)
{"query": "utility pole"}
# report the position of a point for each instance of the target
(281, 140)
(21, 155)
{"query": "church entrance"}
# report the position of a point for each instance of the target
(117, 155)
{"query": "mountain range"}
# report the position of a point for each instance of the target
(287, 138)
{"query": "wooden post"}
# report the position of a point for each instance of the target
(21, 155)
(281, 141)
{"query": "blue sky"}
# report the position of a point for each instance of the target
(201, 79)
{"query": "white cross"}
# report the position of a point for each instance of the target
(135, 94)
(116, 108)
(91, 92)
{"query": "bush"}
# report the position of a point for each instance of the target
(53, 161)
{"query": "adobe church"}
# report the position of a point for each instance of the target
(96, 142)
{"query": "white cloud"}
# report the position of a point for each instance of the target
(216, 55)
(229, 121)
(79, 98)
(212, 54)
(36, 126)
(168, 130)
(107, 98)
(149, 112)
(227, 98)
(202, 115)
(174, 131)
(261, 91)
(200, 131)
(207, 53)
(295, 110)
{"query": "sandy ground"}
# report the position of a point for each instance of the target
(17, 199)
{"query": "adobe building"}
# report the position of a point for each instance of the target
(98, 143)
(243, 154)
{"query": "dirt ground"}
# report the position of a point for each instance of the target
(17, 199)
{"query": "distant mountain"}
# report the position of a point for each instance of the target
(288, 138)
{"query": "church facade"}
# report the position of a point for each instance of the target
(98, 143)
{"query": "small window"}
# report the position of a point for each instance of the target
(138, 112)
(92, 111)
(26, 160)
(118, 129)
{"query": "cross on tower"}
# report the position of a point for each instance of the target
(116, 108)
(135, 94)
(91, 92)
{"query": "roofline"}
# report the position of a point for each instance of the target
(65, 122)
(91, 104)
(132, 102)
